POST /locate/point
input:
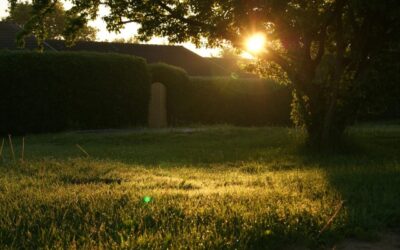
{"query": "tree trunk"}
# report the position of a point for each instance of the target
(319, 91)
(321, 118)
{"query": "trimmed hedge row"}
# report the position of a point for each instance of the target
(47, 92)
(247, 102)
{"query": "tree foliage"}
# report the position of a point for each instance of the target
(49, 26)
(323, 49)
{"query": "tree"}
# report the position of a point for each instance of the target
(322, 49)
(52, 26)
(229, 53)
(383, 88)
(125, 40)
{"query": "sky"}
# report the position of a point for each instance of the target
(127, 32)
(3, 8)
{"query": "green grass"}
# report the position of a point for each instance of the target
(209, 188)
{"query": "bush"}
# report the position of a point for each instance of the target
(247, 102)
(47, 92)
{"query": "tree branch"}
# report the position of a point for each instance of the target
(181, 18)
(275, 57)
(336, 10)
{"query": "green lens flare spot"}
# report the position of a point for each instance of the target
(147, 199)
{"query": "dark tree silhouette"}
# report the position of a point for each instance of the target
(322, 48)
(50, 26)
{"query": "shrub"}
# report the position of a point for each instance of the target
(247, 102)
(46, 92)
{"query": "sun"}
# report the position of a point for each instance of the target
(255, 43)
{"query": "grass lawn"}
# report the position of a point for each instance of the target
(208, 188)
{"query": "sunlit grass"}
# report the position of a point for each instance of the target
(206, 188)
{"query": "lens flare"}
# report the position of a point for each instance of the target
(256, 43)
(147, 199)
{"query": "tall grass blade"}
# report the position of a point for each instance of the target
(11, 147)
(23, 149)
(83, 150)
(1, 149)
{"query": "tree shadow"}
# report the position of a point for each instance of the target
(365, 171)
(177, 148)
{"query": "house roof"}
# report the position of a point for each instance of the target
(178, 56)
(8, 35)
(232, 65)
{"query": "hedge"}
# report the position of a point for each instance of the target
(177, 83)
(246, 102)
(47, 92)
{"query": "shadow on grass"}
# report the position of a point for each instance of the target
(89, 180)
(366, 173)
(176, 148)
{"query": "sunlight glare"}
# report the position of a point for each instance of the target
(255, 43)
